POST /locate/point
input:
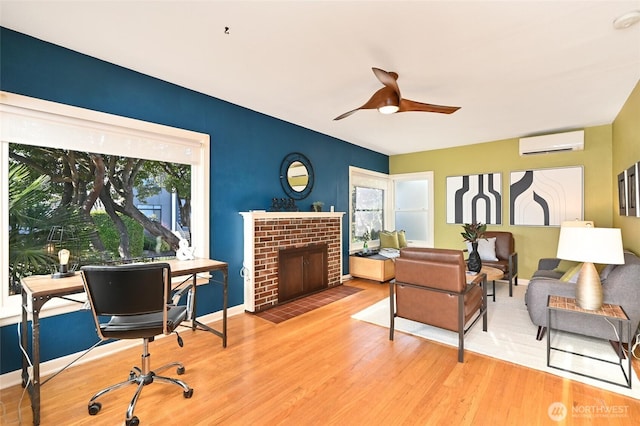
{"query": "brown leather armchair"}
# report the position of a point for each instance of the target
(431, 288)
(507, 257)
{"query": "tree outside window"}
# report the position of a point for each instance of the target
(367, 213)
(97, 197)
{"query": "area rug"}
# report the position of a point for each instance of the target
(512, 337)
(292, 309)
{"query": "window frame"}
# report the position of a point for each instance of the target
(428, 176)
(370, 179)
(25, 120)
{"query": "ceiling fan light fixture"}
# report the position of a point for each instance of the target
(388, 109)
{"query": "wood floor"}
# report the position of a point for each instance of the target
(322, 368)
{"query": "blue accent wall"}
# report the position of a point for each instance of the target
(246, 150)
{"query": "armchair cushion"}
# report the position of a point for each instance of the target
(486, 249)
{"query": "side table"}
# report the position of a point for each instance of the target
(610, 312)
(492, 274)
(375, 267)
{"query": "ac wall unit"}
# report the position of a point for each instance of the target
(558, 142)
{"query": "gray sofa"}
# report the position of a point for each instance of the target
(620, 285)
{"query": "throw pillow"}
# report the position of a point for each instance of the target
(389, 239)
(565, 265)
(402, 239)
(606, 271)
(486, 248)
(571, 276)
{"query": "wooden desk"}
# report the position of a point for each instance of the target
(39, 289)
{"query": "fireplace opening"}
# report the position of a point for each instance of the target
(302, 271)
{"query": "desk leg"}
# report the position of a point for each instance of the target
(23, 338)
(225, 302)
(32, 386)
(191, 302)
(225, 296)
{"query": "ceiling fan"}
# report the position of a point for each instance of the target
(388, 100)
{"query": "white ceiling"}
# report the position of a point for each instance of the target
(516, 68)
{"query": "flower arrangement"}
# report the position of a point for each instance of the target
(473, 231)
(366, 236)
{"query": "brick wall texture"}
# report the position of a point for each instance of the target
(272, 235)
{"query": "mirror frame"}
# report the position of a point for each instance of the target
(284, 168)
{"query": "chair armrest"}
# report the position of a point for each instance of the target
(548, 263)
(513, 264)
(479, 279)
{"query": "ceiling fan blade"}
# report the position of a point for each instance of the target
(409, 105)
(389, 79)
(346, 114)
(382, 97)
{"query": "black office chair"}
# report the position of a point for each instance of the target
(137, 300)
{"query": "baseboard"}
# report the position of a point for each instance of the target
(55, 365)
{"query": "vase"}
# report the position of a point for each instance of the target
(474, 264)
(365, 247)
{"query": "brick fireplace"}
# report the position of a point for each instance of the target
(266, 233)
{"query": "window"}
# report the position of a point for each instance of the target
(32, 122)
(413, 211)
(368, 212)
(387, 202)
(368, 205)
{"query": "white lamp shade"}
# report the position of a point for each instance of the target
(595, 245)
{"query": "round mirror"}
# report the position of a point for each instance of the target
(296, 176)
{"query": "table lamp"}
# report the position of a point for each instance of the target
(63, 271)
(590, 245)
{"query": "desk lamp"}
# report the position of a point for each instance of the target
(590, 245)
(63, 271)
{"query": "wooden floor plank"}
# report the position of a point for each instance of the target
(322, 367)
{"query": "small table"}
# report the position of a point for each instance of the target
(39, 289)
(374, 267)
(493, 274)
(607, 311)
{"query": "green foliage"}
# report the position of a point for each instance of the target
(473, 231)
(151, 244)
(111, 237)
(28, 226)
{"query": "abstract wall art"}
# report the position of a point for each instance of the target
(546, 197)
(622, 193)
(475, 198)
(632, 190)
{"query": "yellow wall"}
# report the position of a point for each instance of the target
(626, 151)
(532, 243)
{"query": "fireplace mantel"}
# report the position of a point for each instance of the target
(265, 233)
(261, 214)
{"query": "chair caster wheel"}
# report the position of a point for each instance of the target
(134, 421)
(180, 371)
(94, 408)
(188, 394)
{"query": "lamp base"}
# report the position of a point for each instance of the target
(57, 275)
(589, 288)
